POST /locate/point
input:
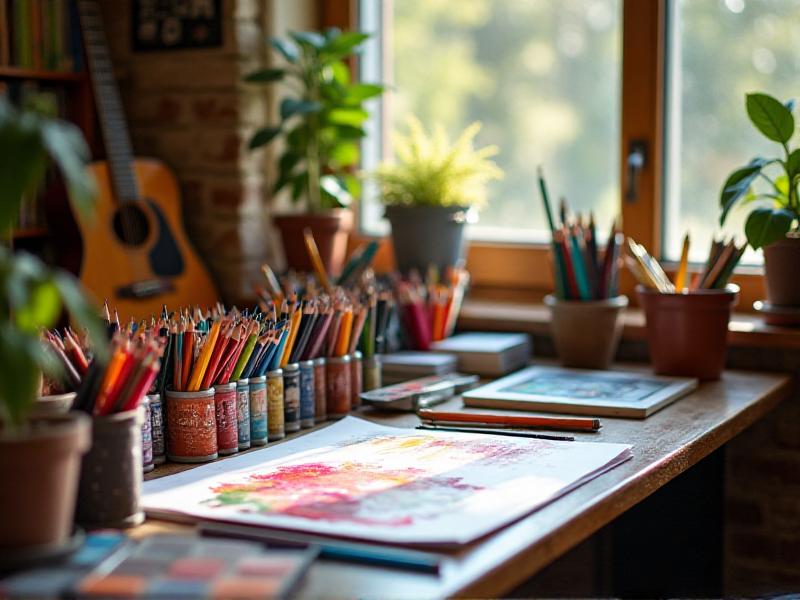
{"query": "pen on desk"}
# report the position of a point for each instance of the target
(371, 554)
(508, 432)
(539, 422)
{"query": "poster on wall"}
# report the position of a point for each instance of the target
(176, 24)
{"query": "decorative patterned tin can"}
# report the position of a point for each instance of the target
(338, 386)
(227, 423)
(158, 429)
(307, 407)
(147, 437)
(191, 426)
(258, 411)
(355, 379)
(243, 413)
(275, 405)
(291, 397)
(320, 401)
(372, 373)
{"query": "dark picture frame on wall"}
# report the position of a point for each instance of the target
(159, 25)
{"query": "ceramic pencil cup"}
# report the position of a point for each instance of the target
(687, 334)
(586, 332)
(110, 489)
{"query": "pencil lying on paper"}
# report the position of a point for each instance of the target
(568, 423)
(508, 432)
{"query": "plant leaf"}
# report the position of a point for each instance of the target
(291, 106)
(310, 39)
(738, 184)
(266, 75)
(793, 163)
(286, 48)
(790, 104)
(771, 117)
(41, 310)
(767, 225)
(20, 354)
(336, 189)
(344, 43)
(359, 92)
(347, 116)
(345, 154)
(263, 136)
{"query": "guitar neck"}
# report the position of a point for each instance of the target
(109, 106)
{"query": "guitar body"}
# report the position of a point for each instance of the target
(136, 253)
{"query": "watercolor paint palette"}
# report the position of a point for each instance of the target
(170, 567)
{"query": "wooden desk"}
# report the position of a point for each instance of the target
(665, 445)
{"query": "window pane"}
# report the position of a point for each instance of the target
(542, 76)
(719, 50)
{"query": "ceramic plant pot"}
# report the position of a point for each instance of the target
(427, 235)
(39, 468)
(781, 264)
(330, 231)
(687, 334)
(586, 333)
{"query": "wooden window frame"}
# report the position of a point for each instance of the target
(522, 272)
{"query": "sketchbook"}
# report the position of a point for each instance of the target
(582, 392)
(356, 479)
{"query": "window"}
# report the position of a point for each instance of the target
(718, 51)
(543, 77)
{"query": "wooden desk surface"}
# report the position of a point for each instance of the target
(665, 445)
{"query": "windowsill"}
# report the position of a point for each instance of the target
(746, 330)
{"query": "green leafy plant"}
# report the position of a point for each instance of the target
(321, 120)
(430, 171)
(31, 294)
(776, 207)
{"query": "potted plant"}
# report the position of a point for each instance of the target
(321, 123)
(40, 457)
(429, 193)
(769, 186)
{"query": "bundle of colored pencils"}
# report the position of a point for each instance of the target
(429, 310)
(580, 270)
(72, 354)
(717, 270)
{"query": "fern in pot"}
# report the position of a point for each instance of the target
(769, 188)
(40, 456)
(432, 191)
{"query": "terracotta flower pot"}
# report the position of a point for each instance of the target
(427, 235)
(781, 263)
(39, 468)
(688, 333)
(586, 333)
(330, 231)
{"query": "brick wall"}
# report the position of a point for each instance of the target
(190, 109)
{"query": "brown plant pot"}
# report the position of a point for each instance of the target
(781, 264)
(39, 468)
(688, 333)
(330, 231)
(586, 333)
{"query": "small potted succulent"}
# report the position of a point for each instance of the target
(321, 124)
(431, 191)
(40, 456)
(769, 186)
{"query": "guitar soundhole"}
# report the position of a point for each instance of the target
(131, 225)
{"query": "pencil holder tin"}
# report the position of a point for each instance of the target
(158, 428)
(371, 370)
(586, 333)
(320, 402)
(338, 388)
(355, 379)
(243, 413)
(147, 437)
(275, 405)
(307, 390)
(258, 410)
(191, 426)
(110, 487)
(227, 422)
(291, 397)
(687, 334)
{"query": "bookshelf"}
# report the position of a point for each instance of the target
(22, 73)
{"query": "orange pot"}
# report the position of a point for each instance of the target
(687, 334)
(330, 231)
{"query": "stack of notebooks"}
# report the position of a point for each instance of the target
(487, 354)
(402, 366)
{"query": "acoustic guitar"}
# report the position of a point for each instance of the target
(136, 253)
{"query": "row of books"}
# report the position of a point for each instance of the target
(40, 35)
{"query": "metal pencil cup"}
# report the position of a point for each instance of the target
(372, 373)
(110, 487)
(191, 426)
(225, 413)
(338, 388)
(147, 437)
(320, 401)
(307, 389)
(355, 379)
(275, 405)
(291, 397)
(158, 429)
(243, 413)
(258, 411)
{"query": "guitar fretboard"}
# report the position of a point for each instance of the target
(109, 106)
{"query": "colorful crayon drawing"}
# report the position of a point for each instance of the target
(357, 479)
